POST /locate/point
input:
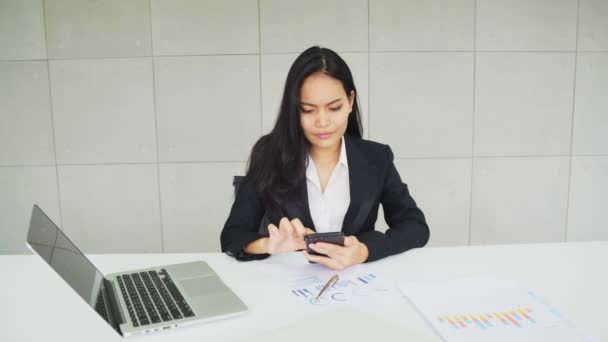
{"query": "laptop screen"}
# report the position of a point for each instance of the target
(48, 241)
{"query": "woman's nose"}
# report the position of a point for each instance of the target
(323, 118)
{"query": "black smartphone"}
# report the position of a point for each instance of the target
(336, 238)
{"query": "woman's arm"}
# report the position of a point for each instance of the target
(241, 227)
(241, 237)
(407, 226)
(259, 246)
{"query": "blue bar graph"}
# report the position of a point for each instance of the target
(307, 288)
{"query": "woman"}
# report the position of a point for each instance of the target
(314, 173)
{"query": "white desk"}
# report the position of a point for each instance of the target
(38, 305)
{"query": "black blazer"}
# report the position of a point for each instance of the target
(373, 180)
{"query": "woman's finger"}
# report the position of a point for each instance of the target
(285, 228)
(329, 249)
(343, 255)
(298, 227)
(273, 231)
(325, 261)
(350, 241)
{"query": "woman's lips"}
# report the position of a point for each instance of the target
(324, 136)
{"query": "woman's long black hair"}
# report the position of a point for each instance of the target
(277, 164)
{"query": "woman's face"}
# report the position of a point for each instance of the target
(324, 110)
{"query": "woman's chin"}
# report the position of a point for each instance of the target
(325, 143)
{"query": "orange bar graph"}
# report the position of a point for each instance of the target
(516, 317)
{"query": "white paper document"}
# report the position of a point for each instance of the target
(489, 310)
(356, 285)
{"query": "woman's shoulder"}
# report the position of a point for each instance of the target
(372, 150)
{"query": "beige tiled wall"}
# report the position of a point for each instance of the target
(126, 119)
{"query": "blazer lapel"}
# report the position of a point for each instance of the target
(362, 179)
(300, 208)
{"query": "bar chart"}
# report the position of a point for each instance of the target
(515, 318)
(489, 310)
(344, 290)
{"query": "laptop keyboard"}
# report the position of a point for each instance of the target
(152, 297)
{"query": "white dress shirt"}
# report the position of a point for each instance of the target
(328, 208)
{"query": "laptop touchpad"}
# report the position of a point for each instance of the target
(203, 286)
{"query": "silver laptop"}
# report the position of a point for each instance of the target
(139, 301)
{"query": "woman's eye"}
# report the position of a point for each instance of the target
(336, 109)
(306, 111)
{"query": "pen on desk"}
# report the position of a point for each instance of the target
(329, 284)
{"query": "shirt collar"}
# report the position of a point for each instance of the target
(311, 170)
(343, 159)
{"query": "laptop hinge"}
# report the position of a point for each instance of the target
(116, 318)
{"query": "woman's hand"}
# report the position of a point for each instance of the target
(338, 257)
(288, 237)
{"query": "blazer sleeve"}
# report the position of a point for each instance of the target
(242, 224)
(407, 226)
